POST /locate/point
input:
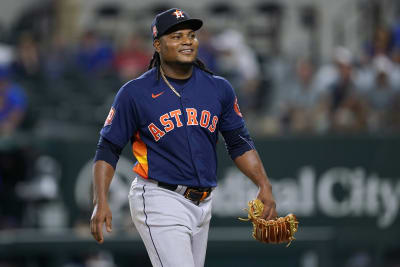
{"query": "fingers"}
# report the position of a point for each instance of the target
(99, 232)
(96, 226)
(96, 230)
(269, 212)
(266, 213)
(108, 224)
(266, 197)
(99, 217)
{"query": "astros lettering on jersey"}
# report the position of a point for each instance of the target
(192, 120)
(174, 138)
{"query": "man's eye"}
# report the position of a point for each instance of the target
(176, 37)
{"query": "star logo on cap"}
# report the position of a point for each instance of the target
(178, 14)
(154, 31)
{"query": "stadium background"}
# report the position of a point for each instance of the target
(318, 83)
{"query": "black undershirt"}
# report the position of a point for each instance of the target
(178, 81)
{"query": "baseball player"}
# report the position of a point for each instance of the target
(172, 115)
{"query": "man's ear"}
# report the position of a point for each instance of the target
(157, 45)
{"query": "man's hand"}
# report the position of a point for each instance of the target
(278, 230)
(101, 214)
(265, 195)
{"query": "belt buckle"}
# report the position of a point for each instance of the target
(189, 190)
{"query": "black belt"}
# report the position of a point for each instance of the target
(196, 194)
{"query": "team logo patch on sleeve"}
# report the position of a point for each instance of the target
(236, 107)
(110, 117)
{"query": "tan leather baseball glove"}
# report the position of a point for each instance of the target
(280, 230)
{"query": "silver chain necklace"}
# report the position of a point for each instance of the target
(167, 82)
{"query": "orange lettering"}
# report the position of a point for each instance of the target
(167, 123)
(214, 124)
(175, 113)
(205, 118)
(191, 116)
(157, 133)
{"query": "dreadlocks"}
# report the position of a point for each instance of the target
(156, 62)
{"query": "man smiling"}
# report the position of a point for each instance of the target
(172, 115)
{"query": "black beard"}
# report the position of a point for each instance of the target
(184, 64)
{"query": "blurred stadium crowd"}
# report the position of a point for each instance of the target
(57, 80)
(48, 79)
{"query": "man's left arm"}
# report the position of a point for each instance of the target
(242, 151)
(250, 165)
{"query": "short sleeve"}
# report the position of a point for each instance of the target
(121, 122)
(231, 117)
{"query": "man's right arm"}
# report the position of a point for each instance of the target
(107, 155)
(115, 134)
(103, 173)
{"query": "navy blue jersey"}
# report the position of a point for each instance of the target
(174, 138)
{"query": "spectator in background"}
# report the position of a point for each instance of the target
(57, 59)
(299, 108)
(132, 58)
(207, 52)
(395, 56)
(381, 43)
(396, 33)
(394, 110)
(28, 61)
(12, 103)
(238, 63)
(328, 74)
(381, 97)
(346, 106)
(395, 69)
(6, 54)
(93, 55)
